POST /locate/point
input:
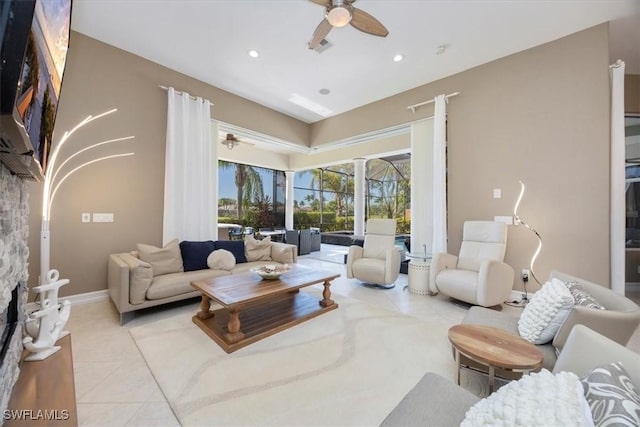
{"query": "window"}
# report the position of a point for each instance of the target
(250, 195)
(324, 197)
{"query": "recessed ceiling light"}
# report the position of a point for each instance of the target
(399, 57)
(324, 91)
(253, 53)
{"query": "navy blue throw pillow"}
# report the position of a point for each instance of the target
(236, 247)
(195, 254)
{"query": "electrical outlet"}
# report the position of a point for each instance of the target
(525, 274)
(86, 217)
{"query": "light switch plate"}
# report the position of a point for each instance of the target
(86, 217)
(497, 193)
(102, 217)
(506, 219)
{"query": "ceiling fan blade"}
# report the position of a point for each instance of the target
(324, 3)
(366, 23)
(320, 33)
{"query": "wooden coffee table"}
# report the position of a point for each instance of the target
(253, 308)
(494, 348)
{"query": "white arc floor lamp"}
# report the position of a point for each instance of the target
(47, 317)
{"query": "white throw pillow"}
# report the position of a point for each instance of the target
(548, 308)
(221, 259)
(539, 399)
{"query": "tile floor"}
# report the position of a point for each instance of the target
(114, 387)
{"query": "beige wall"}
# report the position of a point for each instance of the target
(632, 93)
(99, 77)
(540, 115)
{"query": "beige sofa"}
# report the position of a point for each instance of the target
(130, 288)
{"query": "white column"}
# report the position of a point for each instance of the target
(358, 196)
(288, 210)
(618, 204)
(421, 185)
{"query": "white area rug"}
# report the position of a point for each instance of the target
(350, 366)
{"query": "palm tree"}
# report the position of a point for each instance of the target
(226, 204)
(248, 184)
(389, 180)
(335, 180)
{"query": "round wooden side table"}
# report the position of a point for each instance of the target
(494, 348)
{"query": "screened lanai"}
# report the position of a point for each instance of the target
(253, 199)
(324, 197)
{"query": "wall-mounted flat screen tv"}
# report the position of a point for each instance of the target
(30, 92)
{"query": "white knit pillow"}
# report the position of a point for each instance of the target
(221, 259)
(548, 308)
(539, 399)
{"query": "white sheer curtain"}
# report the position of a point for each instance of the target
(439, 242)
(191, 170)
(421, 195)
(617, 208)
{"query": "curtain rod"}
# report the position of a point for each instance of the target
(414, 106)
(617, 64)
(195, 98)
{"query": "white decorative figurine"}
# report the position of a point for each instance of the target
(44, 325)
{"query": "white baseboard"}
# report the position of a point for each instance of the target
(85, 298)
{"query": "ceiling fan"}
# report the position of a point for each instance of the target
(231, 141)
(339, 13)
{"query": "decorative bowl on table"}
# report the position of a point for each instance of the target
(271, 271)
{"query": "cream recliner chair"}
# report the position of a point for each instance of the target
(478, 274)
(378, 261)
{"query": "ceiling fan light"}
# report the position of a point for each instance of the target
(339, 16)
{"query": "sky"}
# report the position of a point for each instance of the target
(227, 186)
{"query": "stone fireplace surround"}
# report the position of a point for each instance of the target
(14, 254)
